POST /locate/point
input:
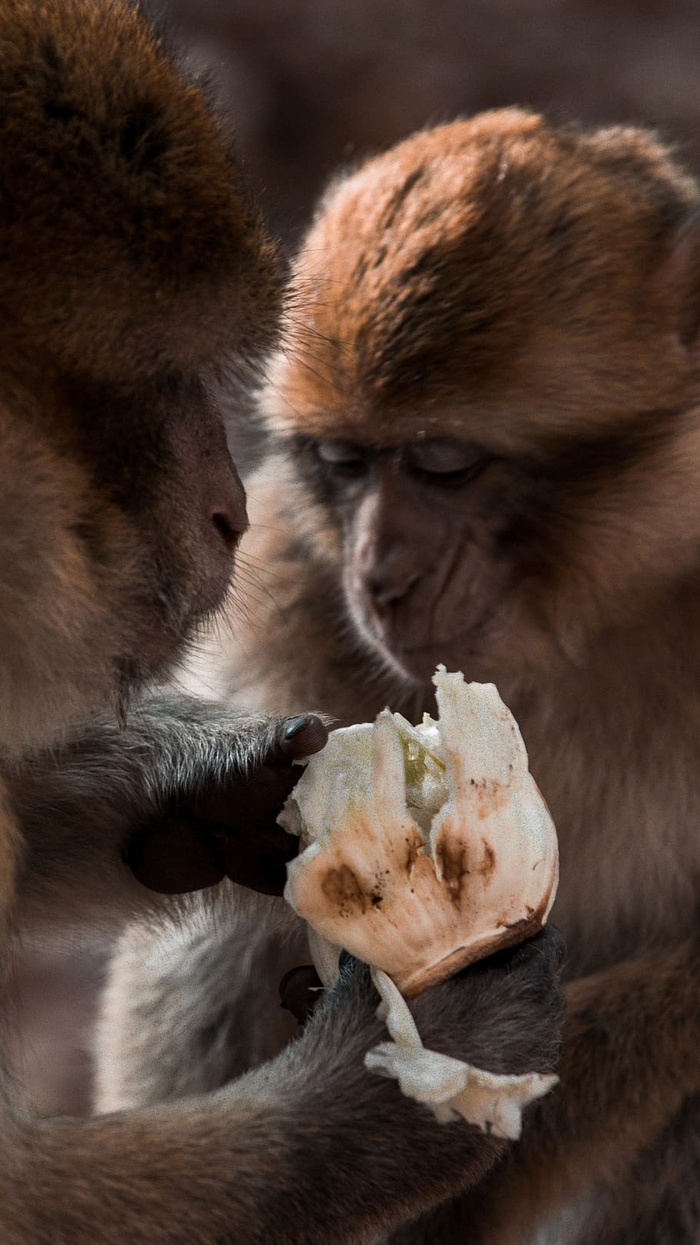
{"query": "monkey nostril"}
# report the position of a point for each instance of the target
(227, 529)
(225, 504)
(382, 597)
(385, 593)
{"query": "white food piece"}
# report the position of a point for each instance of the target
(428, 847)
(325, 956)
(450, 1087)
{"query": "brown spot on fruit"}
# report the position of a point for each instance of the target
(342, 888)
(452, 861)
(492, 798)
(488, 862)
(414, 845)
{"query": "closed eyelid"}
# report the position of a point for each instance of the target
(443, 457)
(342, 453)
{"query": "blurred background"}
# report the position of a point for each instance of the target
(314, 85)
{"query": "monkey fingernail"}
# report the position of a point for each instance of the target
(307, 734)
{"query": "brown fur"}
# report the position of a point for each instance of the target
(532, 293)
(130, 268)
(129, 256)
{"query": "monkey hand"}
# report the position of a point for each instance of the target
(503, 1014)
(520, 981)
(185, 792)
(228, 828)
(514, 996)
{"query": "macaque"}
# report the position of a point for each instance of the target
(484, 450)
(133, 276)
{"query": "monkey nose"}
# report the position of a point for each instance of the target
(387, 590)
(227, 527)
(228, 513)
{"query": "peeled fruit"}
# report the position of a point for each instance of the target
(425, 847)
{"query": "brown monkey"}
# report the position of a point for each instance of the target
(485, 450)
(129, 263)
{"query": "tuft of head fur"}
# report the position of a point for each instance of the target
(481, 262)
(125, 238)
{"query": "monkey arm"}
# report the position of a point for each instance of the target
(186, 793)
(307, 1149)
(192, 999)
(629, 1059)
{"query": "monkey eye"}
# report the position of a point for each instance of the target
(445, 459)
(342, 456)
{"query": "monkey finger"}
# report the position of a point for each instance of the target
(256, 857)
(300, 990)
(259, 796)
(296, 738)
(174, 858)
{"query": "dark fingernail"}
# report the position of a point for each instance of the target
(300, 990)
(295, 725)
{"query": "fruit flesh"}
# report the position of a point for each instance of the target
(426, 847)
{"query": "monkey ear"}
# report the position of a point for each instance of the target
(679, 281)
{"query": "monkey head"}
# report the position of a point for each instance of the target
(132, 270)
(487, 389)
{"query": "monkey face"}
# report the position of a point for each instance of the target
(122, 512)
(133, 268)
(171, 503)
(495, 563)
(489, 379)
(419, 538)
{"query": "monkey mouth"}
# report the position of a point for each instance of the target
(163, 640)
(420, 660)
(472, 633)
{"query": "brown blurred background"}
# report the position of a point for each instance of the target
(311, 85)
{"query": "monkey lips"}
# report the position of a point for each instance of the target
(428, 847)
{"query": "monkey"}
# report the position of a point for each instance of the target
(483, 449)
(136, 274)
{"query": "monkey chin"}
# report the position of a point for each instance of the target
(418, 665)
(483, 656)
(469, 650)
